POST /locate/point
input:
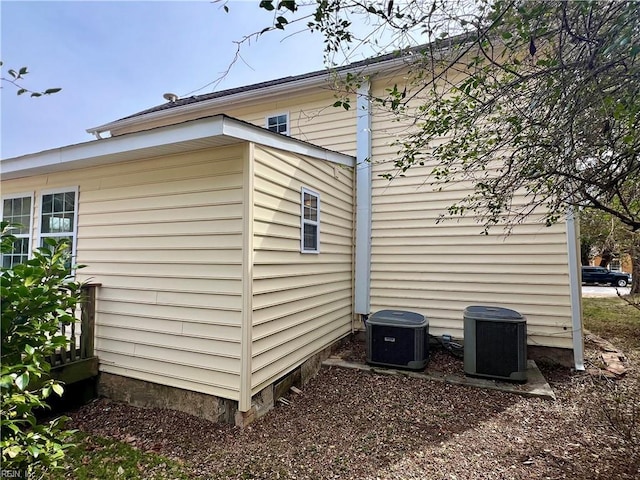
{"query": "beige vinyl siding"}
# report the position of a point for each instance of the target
(312, 118)
(438, 269)
(301, 302)
(164, 238)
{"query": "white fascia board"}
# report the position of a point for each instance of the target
(248, 96)
(108, 150)
(182, 137)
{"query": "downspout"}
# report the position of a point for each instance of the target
(363, 201)
(575, 290)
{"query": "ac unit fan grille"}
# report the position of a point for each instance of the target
(392, 345)
(497, 348)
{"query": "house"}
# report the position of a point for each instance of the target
(238, 235)
(620, 263)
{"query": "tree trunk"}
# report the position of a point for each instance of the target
(585, 251)
(635, 266)
(605, 258)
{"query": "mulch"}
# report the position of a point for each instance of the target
(348, 424)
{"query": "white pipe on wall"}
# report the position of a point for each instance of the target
(575, 285)
(363, 201)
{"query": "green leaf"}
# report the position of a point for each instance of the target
(288, 4)
(36, 94)
(46, 391)
(13, 451)
(21, 91)
(23, 71)
(22, 381)
(29, 349)
(49, 91)
(13, 73)
(33, 450)
(267, 5)
(58, 389)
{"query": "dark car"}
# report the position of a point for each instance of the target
(605, 277)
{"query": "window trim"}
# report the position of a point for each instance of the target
(29, 234)
(74, 233)
(286, 114)
(304, 221)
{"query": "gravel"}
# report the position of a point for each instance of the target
(348, 424)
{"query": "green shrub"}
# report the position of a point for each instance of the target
(37, 298)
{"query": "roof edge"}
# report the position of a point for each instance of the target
(170, 139)
(285, 84)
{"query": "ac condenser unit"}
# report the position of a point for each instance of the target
(397, 338)
(495, 343)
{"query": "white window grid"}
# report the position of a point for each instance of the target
(59, 223)
(309, 221)
(25, 219)
(278, 123)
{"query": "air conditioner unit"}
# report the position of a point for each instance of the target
(396, 338)
(495, 343)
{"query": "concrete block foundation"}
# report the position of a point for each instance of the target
(143, 394)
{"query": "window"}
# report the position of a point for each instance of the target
(615, 265)
(17, 210)
(310, 225)
(279, 123)
(58, 216)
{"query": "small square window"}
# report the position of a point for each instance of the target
(279, 123)
(310, 222)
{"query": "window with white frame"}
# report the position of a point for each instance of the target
(58, 217)
(278, 123)
(16, 210)
(310, 222)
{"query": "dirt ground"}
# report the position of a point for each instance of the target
(353, 425)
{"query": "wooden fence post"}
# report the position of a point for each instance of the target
(88, 320)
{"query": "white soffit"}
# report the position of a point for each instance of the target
(184, 137)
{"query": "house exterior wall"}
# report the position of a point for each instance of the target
(438, 269)
(164, 238)
(623, 263)
(302, 302)
(312, 118)
(416, 263)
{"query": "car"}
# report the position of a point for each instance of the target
(604, 276)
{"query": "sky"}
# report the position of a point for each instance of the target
(115, 58)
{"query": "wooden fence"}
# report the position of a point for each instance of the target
(77, 361)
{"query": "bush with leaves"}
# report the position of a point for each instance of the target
(37, 298)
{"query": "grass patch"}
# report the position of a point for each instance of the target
(614, 319)
(97, 458)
